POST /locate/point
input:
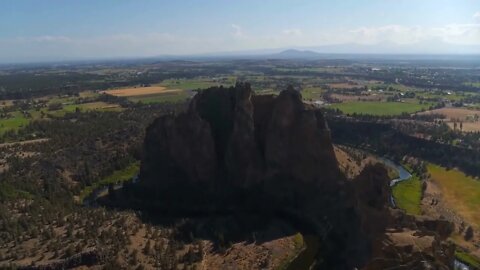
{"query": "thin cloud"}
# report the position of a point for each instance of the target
(293, 32)
(153, 44)
(390, 33)
(238, 31)
(462, 34)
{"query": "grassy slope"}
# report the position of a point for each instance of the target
(379, 108)
(460, 191)
(116, 177)
(408, 195)
(467, 258)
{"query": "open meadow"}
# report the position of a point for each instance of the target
(460, 191)
(408, 195)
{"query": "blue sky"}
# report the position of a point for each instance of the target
(60, 30)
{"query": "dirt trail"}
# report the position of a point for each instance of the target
(2, 145)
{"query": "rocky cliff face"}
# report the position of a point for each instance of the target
(233, 151)
(230, 137)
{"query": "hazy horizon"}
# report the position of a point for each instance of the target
(34, 31)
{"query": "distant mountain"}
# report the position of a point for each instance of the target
(296, 54)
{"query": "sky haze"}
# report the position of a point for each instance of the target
(52, 30)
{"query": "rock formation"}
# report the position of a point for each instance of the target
(232, 136)
(233, 151)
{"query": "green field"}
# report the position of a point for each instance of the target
(408, 195)
(474, 84)
(396, 86)
(443, 95)
(193, 84)
(69, 99)
(460, 191)
(378, 108)
(102, 106)
(116, 177)
(173, 97)
(312, 93)
(16, 121)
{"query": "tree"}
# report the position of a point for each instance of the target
(70, 251)
(146, 249)
(468, 233)
(133, 258)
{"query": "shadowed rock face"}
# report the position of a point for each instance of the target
(230, 137)
(233, 151)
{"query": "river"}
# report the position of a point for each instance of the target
(403, 175)
(458, 265)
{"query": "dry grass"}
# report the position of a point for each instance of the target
(6, 103)
(454, 113)
(467, 126)
(139, 91)
(460, 192)
(466, 116)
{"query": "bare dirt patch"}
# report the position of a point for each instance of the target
(251, 256)
(467, 126)
(23, 142)
(454, 113)
(139, 91)
(6, 103)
